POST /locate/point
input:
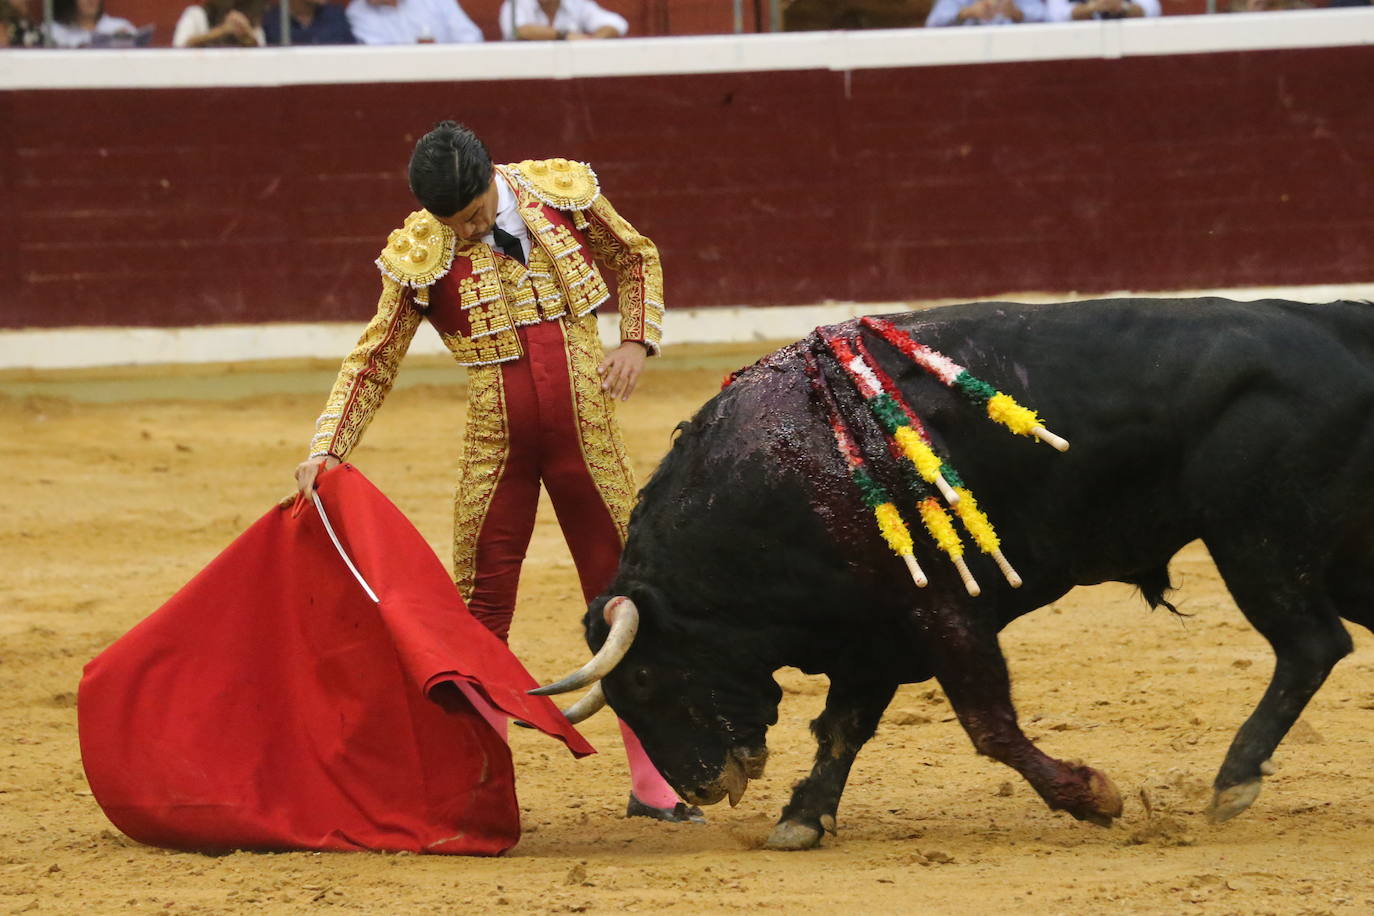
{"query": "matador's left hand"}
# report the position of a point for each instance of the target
(620, 369)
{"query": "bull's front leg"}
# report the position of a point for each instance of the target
(969, 665)
(852, 711)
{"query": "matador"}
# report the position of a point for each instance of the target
(503, 263)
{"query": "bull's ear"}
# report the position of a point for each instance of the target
(653, 605)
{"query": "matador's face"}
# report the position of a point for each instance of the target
(475, 220)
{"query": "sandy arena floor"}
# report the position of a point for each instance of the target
(118, 487)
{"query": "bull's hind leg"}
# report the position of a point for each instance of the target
(1308, 639)
(969, 665)
(852, 711)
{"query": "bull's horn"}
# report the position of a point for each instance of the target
(590, 704)
(623, 617)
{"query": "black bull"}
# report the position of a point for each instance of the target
(1246, 425)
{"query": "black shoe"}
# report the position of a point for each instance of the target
(681, 813)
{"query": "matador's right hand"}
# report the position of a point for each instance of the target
(306, 472)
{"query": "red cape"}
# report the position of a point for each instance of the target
(271, 704)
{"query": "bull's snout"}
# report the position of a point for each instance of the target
(742, 765)
(753, 759)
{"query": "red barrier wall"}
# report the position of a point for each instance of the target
(184, 207)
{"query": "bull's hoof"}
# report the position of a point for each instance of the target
(1103, 802)
(1106, 798)
(789, 836)
(1227, 803)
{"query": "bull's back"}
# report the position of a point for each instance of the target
(1184, 416)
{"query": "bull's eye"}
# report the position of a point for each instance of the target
(641, 682)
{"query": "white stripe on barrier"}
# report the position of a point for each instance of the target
(73, 348)
(162, 68)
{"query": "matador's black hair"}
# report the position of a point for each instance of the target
(449, 168)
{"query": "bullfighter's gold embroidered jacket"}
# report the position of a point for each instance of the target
(476, 298)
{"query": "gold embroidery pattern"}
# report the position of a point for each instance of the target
(639, 273)
(585, 288)
(576, 283)
(603, 450)
(485, 449)
(418, 253)
(547, 292)
(594, 289)
(561, 279)
(482, 287)
(515, 283)
(367, 373)
(560, 183)
(482, 295)
(489, 319)
(483, 351)
(559, 242)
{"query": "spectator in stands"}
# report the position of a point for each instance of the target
(985, 12)
(827, 15)
(16, 29)
(548, 20)
(398, 22)
(313, 22)
(76, 23)
(1076, 10)
(220, 24)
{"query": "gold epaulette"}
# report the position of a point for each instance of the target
(560, 183)
(418, 253)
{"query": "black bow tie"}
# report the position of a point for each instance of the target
(508, 244)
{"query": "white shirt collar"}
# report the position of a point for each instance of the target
(508, 215)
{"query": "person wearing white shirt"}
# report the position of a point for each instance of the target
(1076, 10)
(399, 22)
(985, 12)
(77, 22)
(220, 23)
(547, 20)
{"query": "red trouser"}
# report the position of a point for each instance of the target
(545, 418)
(543, 443)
